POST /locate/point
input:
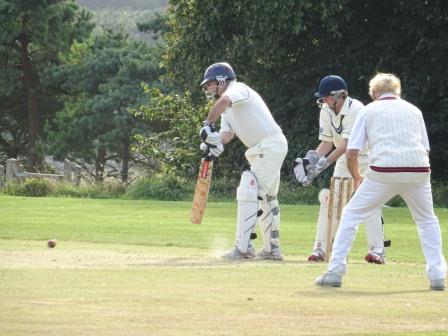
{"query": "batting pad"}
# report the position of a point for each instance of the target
(247, 197)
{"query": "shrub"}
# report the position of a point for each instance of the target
(440, 194)
(100, 190)
(161, 188)
(66, 190)
(169, 187)
(223, 189)
(103, 190)
(30, 187)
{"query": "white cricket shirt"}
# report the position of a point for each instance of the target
(335, 127)
(248, 117)
(398, 142)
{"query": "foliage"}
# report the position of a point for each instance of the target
(171, 187)
(30, 187)
(282, 51)
(176, 123)
(440, 194)
(166, 188)
(98, 190)
(126, 21)
(100, 80)
(157, 26)
(41, 187)
(32, 33)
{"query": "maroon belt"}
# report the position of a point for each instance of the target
(401, 169)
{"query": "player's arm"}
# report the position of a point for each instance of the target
(353, 166)
(338, 152)
(324, 148)
(358, 139)
(226, 137)
(218, 108)
(212, 140)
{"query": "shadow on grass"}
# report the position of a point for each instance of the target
(323, 291)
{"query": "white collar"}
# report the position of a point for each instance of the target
(388, 94)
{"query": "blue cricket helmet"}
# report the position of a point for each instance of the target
(330, 84)
(219, 72)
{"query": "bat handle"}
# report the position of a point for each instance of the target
(209, 156)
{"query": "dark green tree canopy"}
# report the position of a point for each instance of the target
(32, 34)
(282, 49)
(100, 80)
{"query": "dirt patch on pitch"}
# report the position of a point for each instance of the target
(73, 256)
(76, 259)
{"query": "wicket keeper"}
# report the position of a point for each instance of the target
(338, 113)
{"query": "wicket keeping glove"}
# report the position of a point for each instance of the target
(308, 168)
(302, 167)
(320, 166)
(299, 169)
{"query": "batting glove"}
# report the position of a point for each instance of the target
(214, 151)
(210, 137)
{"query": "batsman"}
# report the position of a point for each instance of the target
(244, 114)
(338, 113)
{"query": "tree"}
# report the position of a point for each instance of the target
(282, 49)
(100, 80)
(32, 33)
(173, 119)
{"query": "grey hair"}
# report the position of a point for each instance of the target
(384, 83)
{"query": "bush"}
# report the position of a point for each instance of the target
(440, 194)
(173, 188)
(41, 187)
(101, 190)
(161, 188)
(223, 189)
(30, 187)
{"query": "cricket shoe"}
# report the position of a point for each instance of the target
(375, 258)
(236, 254)
(329, 279)
(275, 254)
(437, 285)
(317, 255)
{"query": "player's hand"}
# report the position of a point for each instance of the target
(319, 167)
(299, 169)
(210, 136)
(357, 182)
(215, 151)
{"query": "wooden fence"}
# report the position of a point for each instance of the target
(14, 173)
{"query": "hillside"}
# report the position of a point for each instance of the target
(123, 15)
(153, 5)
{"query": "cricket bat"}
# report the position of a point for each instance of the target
(201, 190)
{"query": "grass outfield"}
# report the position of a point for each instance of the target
(140, 268)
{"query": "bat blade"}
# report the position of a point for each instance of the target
(201, 191)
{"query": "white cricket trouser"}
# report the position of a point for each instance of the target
(266, 159)
(373, 225)
(368, 198)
